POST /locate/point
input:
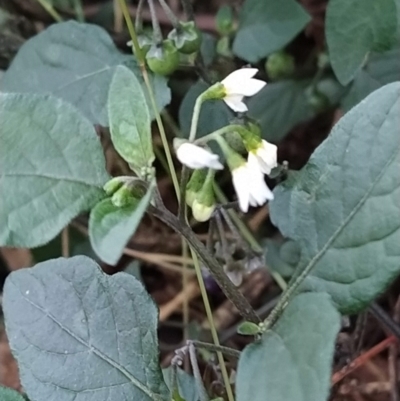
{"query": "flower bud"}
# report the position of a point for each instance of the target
(163, 59)
(123, 197)
(186, 37)
(224, 47)
(204, 204)
(224, 20)
(194, 185)
(280, 65)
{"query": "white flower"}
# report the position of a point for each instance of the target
(265, 157)
(196, 157)
(250, 187)
(238, 84)
(202, 212)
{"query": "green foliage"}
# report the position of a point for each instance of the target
(282, 256)
(130, 122)
(52, 167)
(187, 387)
(75, 62)
(343, 206)
(214, 114)
(282, 105)
(75, 330)
(356, 27)
(8, 394)
(293, 360)
(266, 26)
(111, 227)
(381, 69)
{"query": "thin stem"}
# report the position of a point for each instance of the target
(185, 304)
(210, 318)
(182, 203)
(170, 14)
(188, 9)
(195, 117)
(65, 242)
(196, 373)
(138, 20)
(216, 348)
(154, 21)
(210, 262)
(215, 134)
(222, 237)
(118, 17)
(140, 57)
(51, 10)
(80, 15)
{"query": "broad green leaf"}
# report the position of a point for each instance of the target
(282, 105)
(186, 384)
(266, 26)
(282, 256)
(343, 207)
(214, 114)
(356, 27)
(207, 48)
(110, 227)
(381, 69)
(130, 123)
(75, 62)
(52, 167)
(80, 334)
(293, 360)
(8, 394)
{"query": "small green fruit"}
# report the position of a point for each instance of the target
(280, 65)
(163, 59)
(186, 37)
(224, 20)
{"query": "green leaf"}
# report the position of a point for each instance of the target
(381, 69)
(51, 164)
(130, 121)
(282, 256)
(266, 26)
(356, 27)
(75, 62)
(214, 113)
(282, 105)
(343, 207)
(293, 360)
(8, 394)
(110, 227)
(248, 329)
(187, 386)
(80, 334)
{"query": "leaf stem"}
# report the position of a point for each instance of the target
(141, 60)
(51, 10)
(195, 117)
(154, 21)
(236, 297)
(80, 15)
(216, 348)
(169, 13)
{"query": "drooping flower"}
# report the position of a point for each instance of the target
(195, 157)
(240, 84)
(204, 204)
(250, 187)
(264, 156)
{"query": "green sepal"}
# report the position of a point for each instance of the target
(163, 58)
(186, 37)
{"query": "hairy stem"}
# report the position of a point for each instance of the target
(210, 262)
(169, 13)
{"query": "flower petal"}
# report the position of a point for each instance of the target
(241, 185)
(236, 103)
(196, 157)
(236, 78)
(251, 87)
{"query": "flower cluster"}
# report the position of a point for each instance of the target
(247, 175)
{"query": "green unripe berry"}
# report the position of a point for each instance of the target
(163, 59)
(224, 20)
(186, 37)
(280, 65)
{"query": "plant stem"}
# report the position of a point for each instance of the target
(214, 348)
(215, 134)
(210, 262)
(140, 57)
(138, 21)
(195, 118)
(80, 15)
(210, 318)
(169, 13)
(51, 10)
(157, 35)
